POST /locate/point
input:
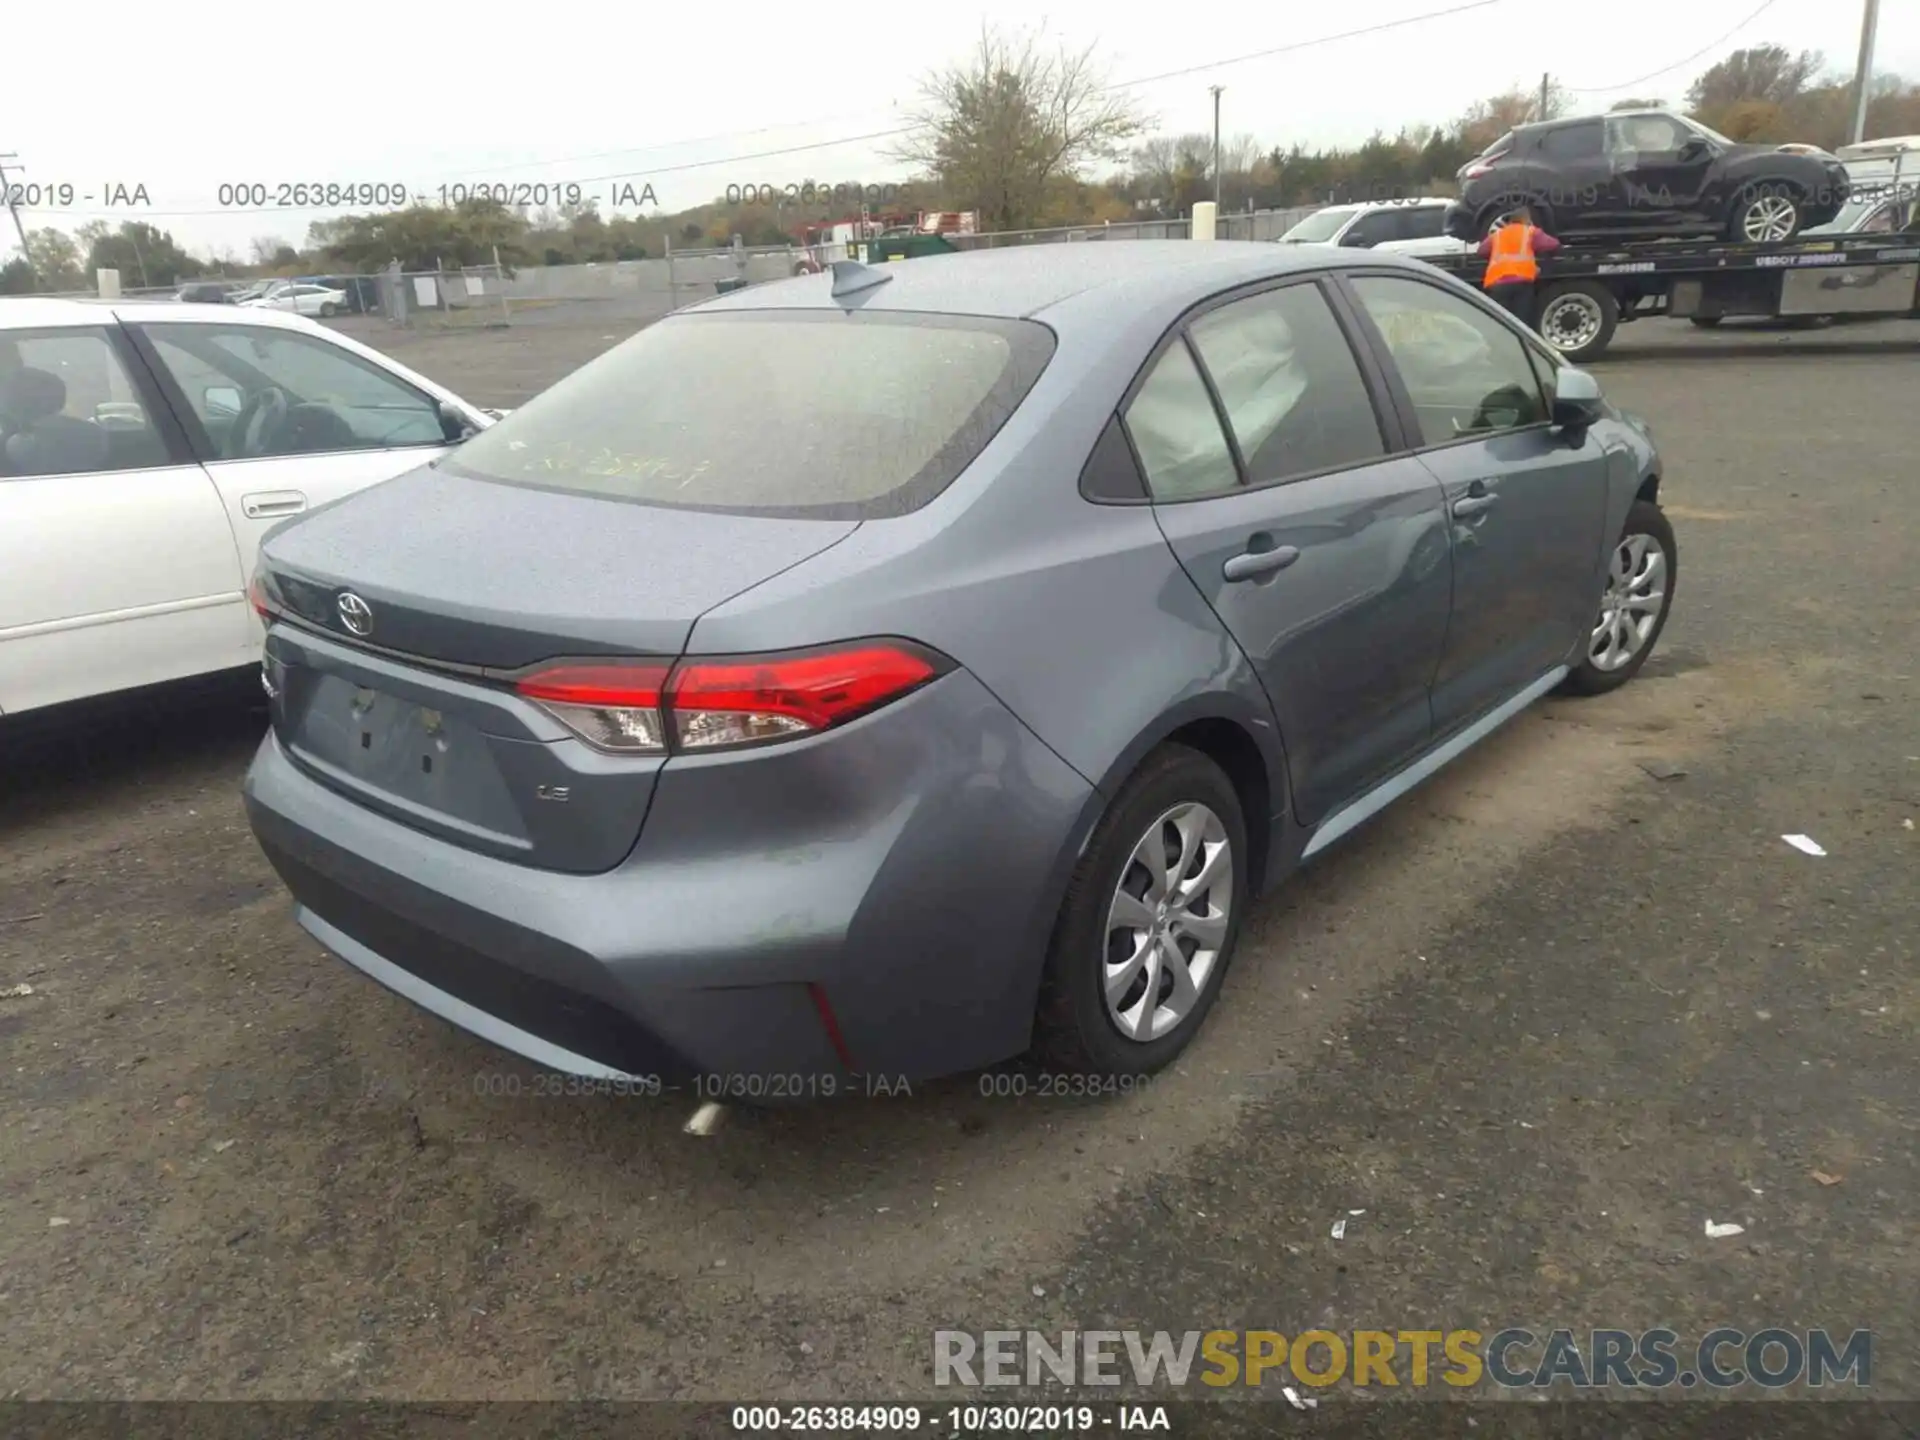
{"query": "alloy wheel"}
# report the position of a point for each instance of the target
(1167, 922)
(1571, 322)
(1631, 608)
(1768, 218)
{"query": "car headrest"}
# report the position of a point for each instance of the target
(29, 395)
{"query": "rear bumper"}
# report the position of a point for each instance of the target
(906, 869)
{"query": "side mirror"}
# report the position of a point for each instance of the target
(222, 400)
(1693, 149)
(454, 424)
(1577, 401)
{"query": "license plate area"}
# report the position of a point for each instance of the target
(427, 763)
(466, 762)
(388, 742)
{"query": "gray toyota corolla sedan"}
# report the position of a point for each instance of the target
(889, 671)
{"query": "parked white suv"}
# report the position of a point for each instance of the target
(145, 449)
(1401, 227)
(1883, 178)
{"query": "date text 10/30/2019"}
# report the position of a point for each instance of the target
(953, 1420)
(396, 194)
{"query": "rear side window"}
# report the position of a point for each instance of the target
(1177, 433)
(1289, 384)
(804, 414)
(1425, 223)
(1573, 142)
(1376, 228)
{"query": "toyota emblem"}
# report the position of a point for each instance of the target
(355, 613)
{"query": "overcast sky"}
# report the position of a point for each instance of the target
(423, 95)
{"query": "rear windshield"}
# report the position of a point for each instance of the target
(818, 414)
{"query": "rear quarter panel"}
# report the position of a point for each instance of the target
(1075, 615)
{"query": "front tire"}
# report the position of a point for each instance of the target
(1150, 921)
(1642, 574)
(329, 310)
(1766, 214)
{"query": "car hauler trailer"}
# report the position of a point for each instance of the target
(1585, 292)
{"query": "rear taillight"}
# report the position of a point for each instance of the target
(720, 702)
(257, 597)
(614, 707)
(1475, 171)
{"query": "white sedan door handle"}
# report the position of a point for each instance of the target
(266, 504)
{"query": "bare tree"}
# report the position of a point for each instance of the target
(1487, 120)
(1001, 130)
(1639, 105)
(265, 247)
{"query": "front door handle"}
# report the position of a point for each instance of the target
(1255, 563)
(1473, 504)
(267, 503)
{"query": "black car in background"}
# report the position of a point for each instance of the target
(1646, 173)
(206, 292)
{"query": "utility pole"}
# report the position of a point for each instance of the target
(1216, 89)
(1546, 94)
(20, 229)
(1863, 76)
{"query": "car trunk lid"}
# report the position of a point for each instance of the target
(403, 701)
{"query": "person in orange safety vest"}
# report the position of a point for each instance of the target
(1511, 251)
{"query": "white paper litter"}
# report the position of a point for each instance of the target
(17, 992)
(1340, 1229)
(1721, 1232)
(1293, 1398)
(1804, 844)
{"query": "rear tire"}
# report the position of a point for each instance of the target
(1766, 214)
(1577, 318)
(1490, 215)
(1177, 797)
(1627, 626)
(329, 310)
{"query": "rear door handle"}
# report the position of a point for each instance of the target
(1473, 504)
(1255, 563)
(266, 503)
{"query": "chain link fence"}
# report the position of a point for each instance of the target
(638, 292)
(1230, 225)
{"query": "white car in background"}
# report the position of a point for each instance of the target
(1400, 227)
(300, 299)
(1884, 183)
(145, 449)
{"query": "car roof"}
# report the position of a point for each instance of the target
(1023, 281)
(37, 312)
(1540, 127)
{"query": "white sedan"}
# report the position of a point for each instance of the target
(145, 449)
(299, 299)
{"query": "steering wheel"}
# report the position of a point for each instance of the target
(258, 424)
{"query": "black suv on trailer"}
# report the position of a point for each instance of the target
(1646, 173)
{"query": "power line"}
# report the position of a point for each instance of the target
(1668, 69)
(682, 144)
(1298, 45)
